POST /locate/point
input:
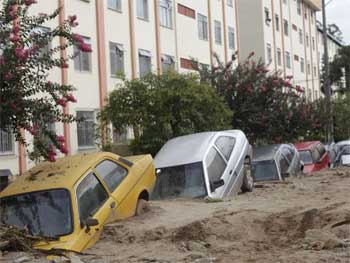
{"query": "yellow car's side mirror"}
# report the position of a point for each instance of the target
(91, 222)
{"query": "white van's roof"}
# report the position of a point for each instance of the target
(187, 149)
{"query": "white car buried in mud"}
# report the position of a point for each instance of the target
(208, 164)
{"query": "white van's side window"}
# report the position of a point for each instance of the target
(225, 145)
(216, 165)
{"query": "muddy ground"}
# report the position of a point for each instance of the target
(304, 219)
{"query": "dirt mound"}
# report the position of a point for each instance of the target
(291, 227)
(196, 231)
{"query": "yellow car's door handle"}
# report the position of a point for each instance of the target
(112, 205)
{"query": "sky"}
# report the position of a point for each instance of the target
(338, 12)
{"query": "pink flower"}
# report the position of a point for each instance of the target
(263, 88)
(299, 89)
(14, 38)
(72, 20)
(2, 61)
(12, 11)
(62, 102)
(64, 65)
(78, 38)
(287, 83)
(16, 29)
(63, 149)
(251, 54)
(289, 77)
(34, 130)
(61, 139)
(70, 98)
(84, 47)
(21, 53)
(249, 88)
(29, 2)
(8, 76)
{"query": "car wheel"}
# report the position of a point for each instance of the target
(248, 181)
(141, 207)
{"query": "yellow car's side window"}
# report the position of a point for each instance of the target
(111, 173)
(91, 195)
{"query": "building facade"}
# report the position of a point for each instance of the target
(130, 37)
(284, 34)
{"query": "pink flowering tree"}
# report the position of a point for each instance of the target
(267, 107)
(29, 101)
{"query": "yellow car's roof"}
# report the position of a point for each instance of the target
(63, 173)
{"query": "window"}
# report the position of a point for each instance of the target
(279, 57)
(202, 27)
(283, 164)
(299, 7)
(166, 13)
(115, 5)
(91, 195)
(82, 61)
(267, 16)
(288, 153)
(111, 173)
(6, 142)
(217, 28)
(85, 128)
(307, 39)
(308, 68)
(313, 43)
(168, 63)
(286, 27)
(288, 62)
(269, 53)
(231, 38)
(302, 65)
(215, 165)
(145, 65)
(301, 41)
(116, 54)
(230, 3)
(225, 145)
(142, 9)
(296, 57)
(285, 2)
(42, 33)
(277, 22)
(315, 71)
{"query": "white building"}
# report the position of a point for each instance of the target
(284, 34)
(333, 45)
(131, 37)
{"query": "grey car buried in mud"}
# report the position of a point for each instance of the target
(276, 162)
(208, 164)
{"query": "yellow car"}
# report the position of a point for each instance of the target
(72, 199)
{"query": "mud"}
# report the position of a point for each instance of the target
(303, 220)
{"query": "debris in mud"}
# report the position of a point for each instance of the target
(321, 239)
(14, 239)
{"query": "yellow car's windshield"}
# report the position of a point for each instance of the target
(44, 213)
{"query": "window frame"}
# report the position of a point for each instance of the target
(144, 54)
(121, 50)
(231, 37)
(217, 32)
(168, 6)
(115, 8)
(79, 58)
(145, 11)
(92, 146)
(100, 176)
(10, 134)
(202, 25)
(76, 193)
